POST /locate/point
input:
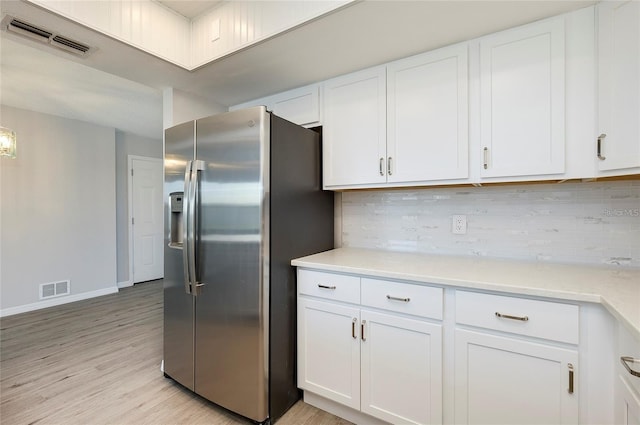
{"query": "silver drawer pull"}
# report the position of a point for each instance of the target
(326, 287)
(507, 316)
(628, 359)
(404, 300)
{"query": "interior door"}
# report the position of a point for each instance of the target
(147, 216)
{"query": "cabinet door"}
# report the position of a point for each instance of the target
(501, 380)
(619, 84)
(354, 131)
(427, 116)
(522, 101)
(300, 106)
(401, 369)
(628, 404)
(329, 351)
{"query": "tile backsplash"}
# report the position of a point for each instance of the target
(588, 223)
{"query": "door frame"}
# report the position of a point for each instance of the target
(130, 159)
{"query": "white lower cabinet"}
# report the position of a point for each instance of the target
(328, 352)
(401, 369)
(385, 364)
(628, 404)
(502, 380)
(373, 350)
(627, 387)
(503, 375)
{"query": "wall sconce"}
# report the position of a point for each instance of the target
(7, 142)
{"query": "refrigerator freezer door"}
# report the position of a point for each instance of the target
(178, 305)
(231, 346)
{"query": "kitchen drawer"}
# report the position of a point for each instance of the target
(338, 287)
(535, 318)
(419, 300)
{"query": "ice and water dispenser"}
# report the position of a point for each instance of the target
(177, 233)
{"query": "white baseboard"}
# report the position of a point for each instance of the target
(340, 410)
(125, 284)
(57, 301)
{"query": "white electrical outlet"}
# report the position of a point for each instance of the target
(459, 224)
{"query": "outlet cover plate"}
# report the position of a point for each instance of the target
(459, 224)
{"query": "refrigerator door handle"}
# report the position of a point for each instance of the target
(196, 166)
(185, 226)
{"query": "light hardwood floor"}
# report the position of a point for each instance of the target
(98, 362)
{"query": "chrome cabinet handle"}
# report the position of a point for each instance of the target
(508, 316)
(599, 149)
(381, 165)
(404, 300)
(364, 322)
(353, 328)
(326, 287)
(625, 360)
(570, 389)
(389, 165)
(485, 157)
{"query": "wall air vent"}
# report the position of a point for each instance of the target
(55, 289)
(34, 32)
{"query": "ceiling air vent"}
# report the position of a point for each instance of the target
(33, 32)
(69, 45)
(29, 30)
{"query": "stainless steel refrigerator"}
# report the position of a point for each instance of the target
(243, 196)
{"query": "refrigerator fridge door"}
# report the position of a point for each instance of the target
(179, 306)
(231, 327)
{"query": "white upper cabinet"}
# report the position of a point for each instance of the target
(618, 147)
(399, 125)
(300, 106)
(522, 96)
(354, 132)
(427, 116)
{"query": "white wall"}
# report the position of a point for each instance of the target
(179, 106)
(128, 144)
(589, 223)
(58, 209)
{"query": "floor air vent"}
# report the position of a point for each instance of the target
(34, 32)
(55, 289)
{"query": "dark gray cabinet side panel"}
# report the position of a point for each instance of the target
(301, 224)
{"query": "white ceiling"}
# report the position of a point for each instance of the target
(120, 86)
(190, 8)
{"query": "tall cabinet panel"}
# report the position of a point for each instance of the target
(618, 146)
(522, 101)
(354, 138)
(427, 116)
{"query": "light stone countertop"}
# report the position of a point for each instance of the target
(618, 289)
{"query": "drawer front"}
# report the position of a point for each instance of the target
(338, 287)
(540, 319)
(418, 300)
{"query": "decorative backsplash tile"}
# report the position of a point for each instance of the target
(591, 223)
